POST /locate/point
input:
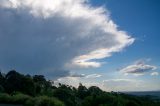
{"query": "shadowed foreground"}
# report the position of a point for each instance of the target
(27, 90)
(9, 105)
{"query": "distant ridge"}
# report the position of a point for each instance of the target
(144, 93)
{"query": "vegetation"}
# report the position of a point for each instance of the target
(16, 88)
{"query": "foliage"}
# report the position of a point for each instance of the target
(16, 88)
(26, 100)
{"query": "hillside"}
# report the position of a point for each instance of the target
(27, 90)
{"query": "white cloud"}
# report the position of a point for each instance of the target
(93, 76)
(77, 75)
(154, 74)
(49, 35)
(122, 84)
(112, 84)
(130, 85)
(142, 61)
(137, 69)
(84, 76)
(118, 80)
(73, 81)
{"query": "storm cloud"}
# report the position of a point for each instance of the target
(51, 36)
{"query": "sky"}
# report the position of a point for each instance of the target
(112, 44)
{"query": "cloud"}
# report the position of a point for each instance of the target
(137, 69)
(77, 75)
(154, 74)
(118, 80)
(130, 85)
(93, 76)
(84, 76)
(52, 36)
(74, 81)
(112, 84)
(121, 84)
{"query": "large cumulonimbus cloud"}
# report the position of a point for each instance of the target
(53, 35)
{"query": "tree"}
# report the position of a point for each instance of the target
(28, 85)
(15, 81)
(82, 91)
(66, 94)
(94, 90)
(42, 85)
(2, 79)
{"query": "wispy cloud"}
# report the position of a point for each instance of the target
(154, 74)
(121, 84)
(139, 68)
(77, 75)
(93, 76)
(74, 81)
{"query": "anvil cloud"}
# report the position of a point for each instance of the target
(51, 36)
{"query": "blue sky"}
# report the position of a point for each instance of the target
(140, 18)
(113, 44)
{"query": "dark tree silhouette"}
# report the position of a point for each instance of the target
(37, 91)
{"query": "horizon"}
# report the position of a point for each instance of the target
(57, 85)
(104, 43)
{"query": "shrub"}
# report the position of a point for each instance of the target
(46, 101)
(1, 89)
(4, 98)
(15, 99)
(30, 102)
(20, 98)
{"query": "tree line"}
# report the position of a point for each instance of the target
(16, 88)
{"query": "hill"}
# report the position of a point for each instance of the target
(27, 90)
